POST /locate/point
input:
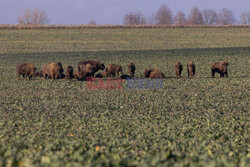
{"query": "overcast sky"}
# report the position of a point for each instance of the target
(77, 12)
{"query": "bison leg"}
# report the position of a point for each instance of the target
(213, 72)
(226, 74)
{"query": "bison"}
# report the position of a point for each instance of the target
(53, 70)
(27, 70)
(114, 70)
(89, 68)
(153, 73)
(69, 73)
(220, 67)
(178, 69)
(131, 69)
(191, 69)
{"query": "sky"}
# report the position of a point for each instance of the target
(109, 12)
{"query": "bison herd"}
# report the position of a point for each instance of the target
(89, 68)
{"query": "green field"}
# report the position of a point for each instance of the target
(190, 122)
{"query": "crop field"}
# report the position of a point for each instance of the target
(202, 121)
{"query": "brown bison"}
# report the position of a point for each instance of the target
(178, 69)
(53, 70)
(89, 68)
(114, 70)
(153, 73)
(69, 73)
(131, 69)
(191, 69)
(220, 67)
(39, 73)
(27, 70)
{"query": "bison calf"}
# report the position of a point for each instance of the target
(27, 70)
(220, 67)
(178, 69)
(131, 69)
(113, 70)
(191, 69)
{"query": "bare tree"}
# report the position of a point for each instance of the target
(136, 18)
(210, 17)
(92, 22)
(245, 18)
(226, 17)
(164, 15)
(180, 18)
(195, 17)
(35, 17)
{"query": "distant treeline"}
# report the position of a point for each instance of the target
(114, 26)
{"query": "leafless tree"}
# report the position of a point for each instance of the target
(136, 18)
(164, 15)
(210, 16)
(195, 17)
(35, 17)
(226, 17)
(92, 22)
(180, 18)
(245, 18)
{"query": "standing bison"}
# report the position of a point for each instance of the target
(220, 67)
(178, 69)
(114, 70)
(53, 70)
(153, 73)
(191, 69)
(69, 73)
(27, 70)
(89, 68)
(131, 69)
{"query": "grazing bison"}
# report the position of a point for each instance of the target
(178, 69)
(39, 73)
(53, 70)
(131, 69)
(69, 73)
(220, 67)
(113, 70)
(89, 68)
(191, 69)
(153, 73)
(26, 70)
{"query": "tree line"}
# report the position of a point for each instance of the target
(164, 16)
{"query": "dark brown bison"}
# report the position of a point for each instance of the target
(27, 70)
(69, 73)
(191, 69)
(114, 70)
(220, 67)
(39, 73)
(53, 70)
(153, 73)
(131, 69)
(178, 69)
(89, 68)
